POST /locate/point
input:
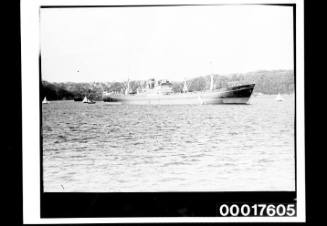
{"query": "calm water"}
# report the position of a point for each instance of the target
(104, 147)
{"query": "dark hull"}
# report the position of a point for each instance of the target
(234, 95)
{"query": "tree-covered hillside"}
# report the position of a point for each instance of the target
(267, 82)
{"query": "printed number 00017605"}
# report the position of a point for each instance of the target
(243, 210)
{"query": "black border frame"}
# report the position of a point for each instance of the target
(154, 204)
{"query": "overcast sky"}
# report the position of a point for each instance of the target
(113, 44)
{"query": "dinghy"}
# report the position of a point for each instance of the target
(45, 101)
(88, 101)
(279, 98)
(91, 102)
(85, 100)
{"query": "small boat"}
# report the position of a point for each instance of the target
(279, 98)
(45, 101)
(88, 101)
(85, 100)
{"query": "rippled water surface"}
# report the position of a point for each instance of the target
(103, 147)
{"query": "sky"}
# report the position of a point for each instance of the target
(174, 43)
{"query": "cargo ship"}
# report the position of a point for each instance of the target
(160, 93)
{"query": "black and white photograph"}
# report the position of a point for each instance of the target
(164, 98)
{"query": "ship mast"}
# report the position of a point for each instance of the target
(185, 89)
(211, 77)
(211, 82)
(127, 89)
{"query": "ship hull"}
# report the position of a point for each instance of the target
(234, 95)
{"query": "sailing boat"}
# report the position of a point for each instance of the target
(279, 98)
(85, 100)
(45, 101)
(88, 101)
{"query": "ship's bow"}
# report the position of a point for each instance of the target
(237, 95)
